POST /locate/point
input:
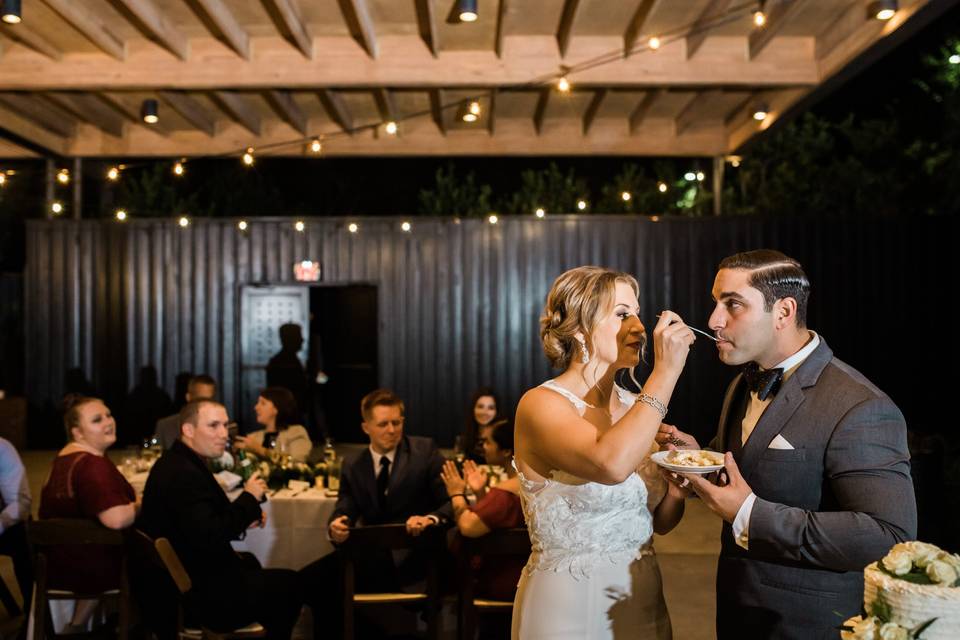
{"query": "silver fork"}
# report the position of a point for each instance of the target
(700, 331)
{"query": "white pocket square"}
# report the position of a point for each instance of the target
(780, 443)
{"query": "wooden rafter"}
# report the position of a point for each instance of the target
(191, 111)
(25, 34)
(779, 14)
(635, 27)
(540, 112)
(89, 108)
(85, 20)
(28, 134)
(287, 108)
(591, 112)
(500, 28)
(688, 114)
(49, 116)
(357, 14)
(336, 108)
(219, 12)
(640, 112)
(565, 30)
(701, 28)
(492, 113)
(436, 110)
(289, 15)
(427, 24)
(159, 26)
(240, 109)
(386, 105)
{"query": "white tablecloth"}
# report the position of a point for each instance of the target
(296, 530)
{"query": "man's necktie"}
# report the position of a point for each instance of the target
(763, 382)
(383, 479)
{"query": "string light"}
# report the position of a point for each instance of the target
(242, 225)
(405, 226)
(178, 168)
(582, 205)
(56, 208)
(3, 179)
(759, 17)
(353, 227)
(248, 157)
(63, 176)
(121, 215)
(654, 43)
(493, 218)
(626, 196)
(540, 213)
(662, 186)
(690, 176)
(563, 85)
(113, 174)
(700, 176)
(183, 221)
(391, 128)
(299, 226)
(315, 146)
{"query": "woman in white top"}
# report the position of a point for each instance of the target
(590, 498)
(276, 410)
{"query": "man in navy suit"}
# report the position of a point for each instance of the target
(395, 480)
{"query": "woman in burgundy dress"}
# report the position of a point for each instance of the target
(497, 508)
(83, 483)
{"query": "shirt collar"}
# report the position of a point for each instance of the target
(390, 455)
(790, 364)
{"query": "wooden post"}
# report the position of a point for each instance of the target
(77, 187)
(48, 193)
(718, 166)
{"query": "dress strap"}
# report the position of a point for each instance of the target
(576, 400)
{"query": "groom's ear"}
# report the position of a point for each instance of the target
(785, 312)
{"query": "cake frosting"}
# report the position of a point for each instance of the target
(911, 604)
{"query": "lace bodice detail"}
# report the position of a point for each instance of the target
(575, 524)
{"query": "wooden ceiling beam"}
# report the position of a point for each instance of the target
(239, 108)
(191, 111)
(635, 28)
(87, 22)
(159, 25)
(427, 24)
(24, 34)
(336, 108)
(640, 111)
(702, 26)
(47, 115)
(500, 28)
(28, 134)
(357, 15)
(688, 114)
(591, 112)
(289, 111)
(779, 15)
(540, 112)
(386, 105)
(289, 14)
(565, 29)
(436, 110)
(492, 112)
(89, 108)
(219, 12)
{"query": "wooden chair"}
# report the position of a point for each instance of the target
(9, 602)
(367, 539)
(504, 542)
(161, 554)
(44, 534)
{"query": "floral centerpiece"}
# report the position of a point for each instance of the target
(277, 469)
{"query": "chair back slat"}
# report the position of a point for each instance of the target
(71, 531)
(388, 536)
(173, 565)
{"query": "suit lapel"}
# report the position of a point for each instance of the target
(400, 464)
(728, 405)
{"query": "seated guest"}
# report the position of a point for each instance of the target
(14, 511)
(496, 508)
(395, 480)
(83, 483)
(201, 387)
(482, 411)
(276, 411)
(183, 503)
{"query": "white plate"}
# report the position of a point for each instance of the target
(660, 457)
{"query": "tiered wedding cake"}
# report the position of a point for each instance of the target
(915, 583)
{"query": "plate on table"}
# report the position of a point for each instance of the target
(699, 461)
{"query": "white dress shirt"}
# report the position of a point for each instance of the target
(741, 523)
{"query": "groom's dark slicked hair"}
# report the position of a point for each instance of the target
(776, 276)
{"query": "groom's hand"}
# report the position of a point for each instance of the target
(669, 438)
(724, 500)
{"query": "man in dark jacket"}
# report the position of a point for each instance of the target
(183, 503)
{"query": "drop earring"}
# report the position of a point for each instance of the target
(584, 353)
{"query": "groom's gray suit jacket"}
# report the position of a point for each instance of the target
(825, 509)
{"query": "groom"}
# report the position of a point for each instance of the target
(817, 474)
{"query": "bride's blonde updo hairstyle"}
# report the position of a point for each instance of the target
(577, 302)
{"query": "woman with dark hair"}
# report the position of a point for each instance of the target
(484, 409)
(277, 411)
(83, 483)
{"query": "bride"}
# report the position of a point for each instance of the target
(591, 497)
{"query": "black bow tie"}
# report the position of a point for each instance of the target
(763, 382)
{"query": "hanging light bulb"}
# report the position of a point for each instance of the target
(242, 225)
(760, 112)
(759, 16)
(183, 221)
(391, 128)
(149, 111)
(121, 215)
(113, 174)
(315, 146)
(493, 219)
(654, 43)
(882, 9)
(405, 226)
(248, 157)
(467, 10)
(353, 227)
(540, 213)
(662, 186)
(626, 195)
(178, 168)
(11, 11)
(3, 179)
(299, 226)
(690, 176)
(63, 176)
(56, 208)
(700, 176)
(582, 205)
(563, 85)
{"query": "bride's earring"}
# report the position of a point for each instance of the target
(584, 353)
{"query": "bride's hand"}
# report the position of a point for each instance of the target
(671, 342)
(670, 438)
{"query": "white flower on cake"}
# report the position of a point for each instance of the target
(860, 628)
(923, 553)
(941, 572)
(899, 561)
(893, 631)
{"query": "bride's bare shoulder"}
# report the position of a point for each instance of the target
(541, 402)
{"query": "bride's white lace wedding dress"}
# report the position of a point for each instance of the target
(592, 574)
